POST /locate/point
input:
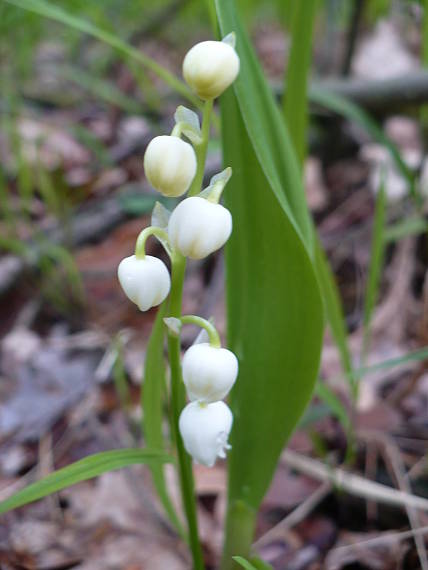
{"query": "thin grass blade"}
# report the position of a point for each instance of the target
(82, 470)
(152, 400)
(295, 103)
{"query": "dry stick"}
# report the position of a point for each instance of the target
(393, 458)
(353, 484)
(402, 392)
(297, 515)
(383, 539)
(370, 471)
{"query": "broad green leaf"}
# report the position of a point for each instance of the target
(82, 470)
(295, 103)
(334, 309)
(152, 400)
(375, 266)
(353, 112)
(266, 130)
(55, 12)
(275, 316)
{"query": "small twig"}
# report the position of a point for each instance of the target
(384, 539)
(45, 467)
(370, 470)
(353, 484)
(297, 515)
(399, 471)
(418, 468)
(379, 97)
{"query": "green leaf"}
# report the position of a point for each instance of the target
(334, 309)
(295, 104)
(326, 394)
(99, 87)
(415, 356)
(82, 470)
(255, 564)
(244, 563)
(407, 227)
(56, 13)
(275, 316)
(260, 564)
(152, 399)
(353, 112)
(266, 130)
(375, 267)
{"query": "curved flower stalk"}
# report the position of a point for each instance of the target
(197, 227)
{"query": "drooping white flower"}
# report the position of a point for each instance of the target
(205, 430)
(198, 227)
(210, 67)
(170, 165)
(209, 372)
(146, 282)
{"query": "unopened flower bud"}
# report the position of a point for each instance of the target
(205, 430)
(198, 227)
(209, 372)
(170, 165)
(146, 282)
(210, 67)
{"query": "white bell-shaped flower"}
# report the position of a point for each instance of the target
(197, 227)
(146, 282)
(210, 67)
(170, 165)
(209, 372)
(205, 430)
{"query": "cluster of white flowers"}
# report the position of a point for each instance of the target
(197, 227)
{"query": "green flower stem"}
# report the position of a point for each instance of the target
(176, 131)
(178, 263)
(203, 324)
(140, 246)
(240, 526)
(201, 149)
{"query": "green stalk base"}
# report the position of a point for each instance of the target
(240, 527)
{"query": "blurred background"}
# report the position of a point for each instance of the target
(77, 109)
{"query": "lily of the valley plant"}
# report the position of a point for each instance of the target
(197, 227)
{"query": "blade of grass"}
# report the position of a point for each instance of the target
(407, 227)
(152, 398)
(375, 267)
(334, 310)
(244, 563)
(326, 394)
(353, 112)
(56, 13)
(295, 103)
(82, 470)
(100, 88)
(416, 356)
